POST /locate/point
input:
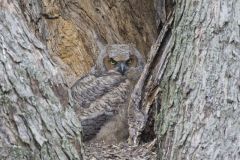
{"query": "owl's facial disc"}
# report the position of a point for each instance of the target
(117, 66)
(120, 63)
(121, 66)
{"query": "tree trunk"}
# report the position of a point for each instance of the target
(36, 121)
(200, 88)
(44, 47)
(78, 29)
(190, 83)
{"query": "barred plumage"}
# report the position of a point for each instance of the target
(101, 97)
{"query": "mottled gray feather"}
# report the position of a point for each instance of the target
(99, 99)
(102, 94)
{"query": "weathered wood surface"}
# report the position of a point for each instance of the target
(199, 98)
(146, 89)
(36, 121)
(198, 94)
(75, 30)
(45, 46)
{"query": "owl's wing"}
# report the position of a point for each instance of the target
(99, 98)
(91, 87)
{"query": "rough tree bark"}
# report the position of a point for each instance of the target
(192, 82)
(44, 46)
(200, 88)
(78, 29)
(36, 121)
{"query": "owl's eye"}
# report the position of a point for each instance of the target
(112, 61)
(129, 61)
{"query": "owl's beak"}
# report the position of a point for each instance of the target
(122, 67)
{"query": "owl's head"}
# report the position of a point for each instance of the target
(120, 58)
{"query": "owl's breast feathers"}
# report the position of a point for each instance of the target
(98, 98)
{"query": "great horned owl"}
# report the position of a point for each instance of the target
(102, 96)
